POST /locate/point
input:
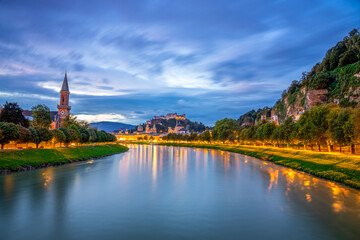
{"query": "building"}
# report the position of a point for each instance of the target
(150, 130)
(178, 129)
(63, 109)
(140, 128)
(297, 117)
(157, 119)
(275, 119)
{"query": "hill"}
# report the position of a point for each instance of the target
(111, 126)
(334, 80)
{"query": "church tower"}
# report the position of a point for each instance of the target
(63, 108)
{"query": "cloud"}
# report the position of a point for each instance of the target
(137, 59)
(15, 95)
(110, 117)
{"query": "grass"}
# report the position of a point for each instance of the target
(332, 166)
(26, 159)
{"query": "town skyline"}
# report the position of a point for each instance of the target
(131, 61)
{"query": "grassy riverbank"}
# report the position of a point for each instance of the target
(332, 166)
(34, 158)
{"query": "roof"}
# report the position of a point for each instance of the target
(65, 86)
(27, 113)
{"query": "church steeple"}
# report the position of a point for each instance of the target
(65, 86)
(63, 108)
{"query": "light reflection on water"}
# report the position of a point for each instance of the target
(170, 192)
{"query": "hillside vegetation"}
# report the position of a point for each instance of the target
(334, 80)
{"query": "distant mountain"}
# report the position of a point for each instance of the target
(111, 126)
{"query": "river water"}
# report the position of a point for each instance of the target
(158, 192)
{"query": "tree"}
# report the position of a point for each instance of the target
(58, 136)
(34, 136)
(13, 113)
(355, 118)
(92, 133)
(348, 57)
(321, 81)
(84, 135)
(24, 135)
(69, 120)
(224, 128)
(232, 138)
(307, 129)
(41, 115)
(288, 131)
(265, 132)
(341, 129)
(205, 136)
(9, 132)
(74, 136)
(43, 135)
(76, 129)
(67, 135)
(193, 136)
(318, 116)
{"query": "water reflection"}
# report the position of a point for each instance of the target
(169, 192)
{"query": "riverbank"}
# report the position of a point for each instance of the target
(12, 161)
(341, 168)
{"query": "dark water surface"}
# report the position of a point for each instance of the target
(156, 192)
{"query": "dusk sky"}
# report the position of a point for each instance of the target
(130, 60)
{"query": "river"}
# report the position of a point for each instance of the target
(158, 192)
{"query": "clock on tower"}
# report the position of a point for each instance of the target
(63, 108)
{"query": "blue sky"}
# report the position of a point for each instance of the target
(130, 60)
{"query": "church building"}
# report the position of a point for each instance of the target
(63, 108)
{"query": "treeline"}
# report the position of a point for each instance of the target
(326, 125)
(14, 127)
(323, 125)
(194, 136)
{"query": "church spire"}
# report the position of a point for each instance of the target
(65, 86)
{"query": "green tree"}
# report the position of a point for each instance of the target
(58, 136)
(24, 135)
(84, 135)
(67, 135)
(41, 115)
(307, 129)
(224, 128)
(34, 136)
(265, 132)
(355, 118)
(74, 136)
(193, 136)
(92, 133)
(13, 113)
(9, 132)
(69, 120)
(205, 136)
(43, 135)
(318, 116)
(342, 130)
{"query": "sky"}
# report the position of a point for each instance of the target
(130, 60)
